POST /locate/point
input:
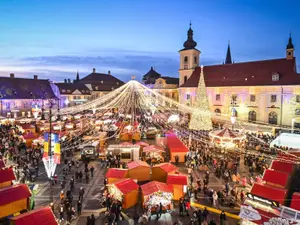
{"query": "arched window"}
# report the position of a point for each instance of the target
(218, 112)
(252, 116)
(185, 78)
(195, 60)
(234, 112)
(273, 118)
(186, 59)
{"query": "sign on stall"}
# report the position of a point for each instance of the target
(249, 213)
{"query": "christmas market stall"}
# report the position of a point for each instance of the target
(7, 177)
(155, 193)
(41, 216)
(179, 184)
(161, 171)
(139, 170)
(276, 178)
(14, 199)
(29, 138)
(115, 174)
(227, 138)
(28, 128)
(176, 147)
(127, 153)
(126, 191)
(154, 154)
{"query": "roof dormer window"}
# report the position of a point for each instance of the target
(275, 77)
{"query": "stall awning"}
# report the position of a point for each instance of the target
(285, 167)
(268, 192)
(42, 216)
(154, 186)
(29, 135)
(2, 164)
(276, 177)
(116, 173)
(295, 204)
(7, 174)
(177, 179)
(126, 185)
(137, 163)
(14, 193)
(167, 167)
(153, 148)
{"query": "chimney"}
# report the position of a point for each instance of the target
(69, 81)
(94, 70)
(35, 77)
(109, 72)
(66, 81)
(12, 75)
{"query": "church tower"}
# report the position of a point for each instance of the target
(189, 58)
(290, 49)
(228, 59)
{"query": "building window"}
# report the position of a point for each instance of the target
(273, 118)
(186, 59)
(195, 60)
(218, 112)
(252, 116)
(275, 77)
(218, 97)
(233, 99)
(297, 98)
(297, 112)
(273, 98)
(252, 98)
(186, 67)
(185, 79)
(188, 96)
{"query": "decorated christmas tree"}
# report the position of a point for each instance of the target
(201, 117)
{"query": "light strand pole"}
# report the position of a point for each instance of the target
(50, 151)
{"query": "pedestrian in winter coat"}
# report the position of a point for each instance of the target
(205, 214)
(93, 219)
(88, 220)
(222, 218)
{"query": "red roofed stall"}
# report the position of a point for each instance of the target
(14, 199)
(178, 182)
(139, 170)
(285, 167)
(270, 193)
(155, 193)
(7, 176)
(276, 178)
(176, 147)
(295, 204)
(125, 191)
(42, 216)
(115, 174)
(161, 171)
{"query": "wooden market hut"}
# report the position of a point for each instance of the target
(139, 170)
(161, 171)
(115, 174)
(129, 191)
(176, 148)
(41, 216)
(28, 128)
(7, 177)
(14, 199)
(179, 183)
(155, 187)
(29, 137)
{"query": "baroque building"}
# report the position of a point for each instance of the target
(266, 91)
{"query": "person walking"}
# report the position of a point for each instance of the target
(79, 207)
(88, 220)
(222, 218)
(92, 171)
(93, 219)
(205, 214)
(215, 199)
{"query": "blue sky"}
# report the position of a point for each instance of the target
(56, 38)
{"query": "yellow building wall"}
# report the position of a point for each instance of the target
(17, 206)
(180, 156)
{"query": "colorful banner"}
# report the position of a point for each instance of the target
(46, 145)
(55, 147)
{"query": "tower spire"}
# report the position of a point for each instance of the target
(190, 43)
(290, 48)
(228, 55)
(77, 76)
(290, 43)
